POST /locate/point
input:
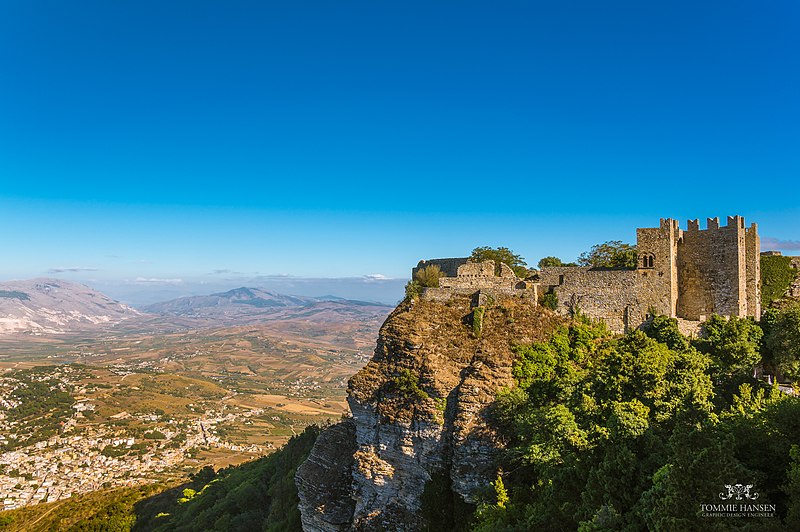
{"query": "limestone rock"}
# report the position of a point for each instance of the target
(323, 480)
(421, 407)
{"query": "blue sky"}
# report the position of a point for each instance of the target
(196, 145)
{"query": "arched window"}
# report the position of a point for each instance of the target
(648, 260)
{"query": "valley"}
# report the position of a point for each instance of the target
(168, 395)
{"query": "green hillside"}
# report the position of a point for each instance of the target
(258, 495)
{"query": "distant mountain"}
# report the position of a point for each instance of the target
(243, 298)
(54, 306)
(249, 305)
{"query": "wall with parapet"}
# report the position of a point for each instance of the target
(687, 274)
(480, 279)
(712, 271)
(449, 267)
(604, 294)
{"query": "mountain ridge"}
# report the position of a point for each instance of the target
(54, 306)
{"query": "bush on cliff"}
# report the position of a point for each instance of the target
(427, 277)
(782, 341)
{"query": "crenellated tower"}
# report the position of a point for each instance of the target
(718, 270)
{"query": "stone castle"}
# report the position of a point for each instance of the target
(686, 274)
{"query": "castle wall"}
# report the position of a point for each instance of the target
(477, 275)
(689, 275)
(449, 267)
(657, 271)
(753, 271)
(712, 270)
(599, 293)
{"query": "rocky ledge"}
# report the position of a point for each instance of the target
(421, 416)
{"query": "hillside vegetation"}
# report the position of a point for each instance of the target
(636, 432)
(258, 495)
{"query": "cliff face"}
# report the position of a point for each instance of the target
(420, 409)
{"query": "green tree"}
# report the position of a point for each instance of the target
(611, 254)
(734, 343)
(501, 254)
(549, 262)
(665, 330)
(792, 489)
(782, 340)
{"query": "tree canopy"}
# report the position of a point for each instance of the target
(501, 254)
(549, 262)
(634, 432)
(611, 254)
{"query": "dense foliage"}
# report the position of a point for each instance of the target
(504, 255)
(255, 496)
(14, 294)
(41, 407)
(611, 254)
(549, 262)
(782, 341)
(777, 275)
(636, 432)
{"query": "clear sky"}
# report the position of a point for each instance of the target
(169, 143)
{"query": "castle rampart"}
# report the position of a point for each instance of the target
(689, 275)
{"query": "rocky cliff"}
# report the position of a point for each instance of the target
(420, 439)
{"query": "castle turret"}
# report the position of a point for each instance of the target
(657, 271)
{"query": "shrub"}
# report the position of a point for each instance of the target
(477, 320)
(550, 262)
(406, 384)
(550, 300)
(428, 276)
(777, 275)
(413, 290)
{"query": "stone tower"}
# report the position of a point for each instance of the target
(657, 272)
(719, 270)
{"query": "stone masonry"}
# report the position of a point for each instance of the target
(686, 274)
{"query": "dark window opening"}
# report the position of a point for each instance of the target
(648, 260)
(560, 279)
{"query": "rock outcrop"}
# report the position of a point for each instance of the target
(324, 479)
(420, 410)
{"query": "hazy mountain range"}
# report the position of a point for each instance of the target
(54, 306)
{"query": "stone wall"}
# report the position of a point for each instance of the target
(449, 267)
(604, 294)
(687, 274)
(753, 271)
(794, 289)
(477, 275)
(712, 270)
(657, 279)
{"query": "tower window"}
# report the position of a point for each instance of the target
(648, 260)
